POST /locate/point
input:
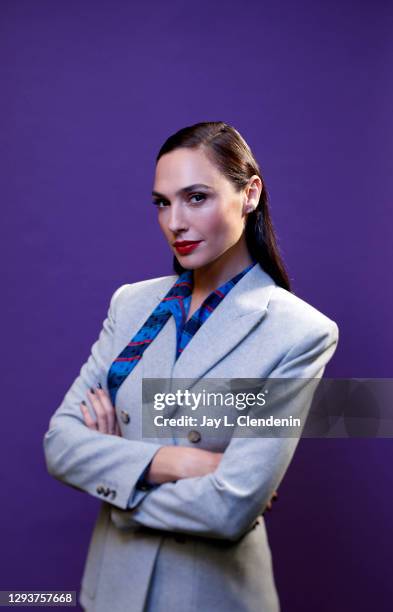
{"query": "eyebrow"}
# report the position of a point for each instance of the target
(184, 190)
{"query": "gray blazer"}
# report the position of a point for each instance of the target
(197, 543)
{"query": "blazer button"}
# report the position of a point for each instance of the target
(100, 489)
(106, 491)
(125, 417)
(113, 494)
(194, 436)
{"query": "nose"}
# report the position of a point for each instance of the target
(176, 219)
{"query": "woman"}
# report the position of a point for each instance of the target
(181, 523)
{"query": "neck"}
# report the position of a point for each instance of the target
(217, 272)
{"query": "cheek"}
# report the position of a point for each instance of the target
(213, 222)
(214, 216)
(223, 221)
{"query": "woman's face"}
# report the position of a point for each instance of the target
(197, 203)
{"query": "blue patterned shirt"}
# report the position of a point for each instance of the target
(181, 306)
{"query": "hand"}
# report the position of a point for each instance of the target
(172, 463)
(269, 504)
(175, 462)
(105, 412)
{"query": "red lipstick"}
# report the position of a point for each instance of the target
(186, 246)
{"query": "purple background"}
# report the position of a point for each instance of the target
(89, 92)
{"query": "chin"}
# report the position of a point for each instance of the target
(195, 260)
(189, 261)
(199, 263)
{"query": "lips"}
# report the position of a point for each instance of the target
(183, 247)
(182, 243)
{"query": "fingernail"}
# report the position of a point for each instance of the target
(84, 403)
(99, 385)
(91, 390)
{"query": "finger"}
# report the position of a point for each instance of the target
(102, 420)
(269, 505)
(108, 407)
(275, 496)
(89, 421)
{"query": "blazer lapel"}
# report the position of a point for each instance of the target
(233, 319)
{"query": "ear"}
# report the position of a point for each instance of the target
(252, 193)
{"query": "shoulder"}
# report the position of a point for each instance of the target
(297, 319)
(141, 290)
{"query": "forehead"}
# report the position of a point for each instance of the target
(184, 167)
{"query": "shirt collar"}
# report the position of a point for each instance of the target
(188, 276)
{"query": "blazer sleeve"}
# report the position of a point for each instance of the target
(106, 466)
(225, 503)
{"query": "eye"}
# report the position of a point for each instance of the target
(200, 198)
(198, 195)
(158, 202)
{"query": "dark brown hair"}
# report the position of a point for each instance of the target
(230, 153)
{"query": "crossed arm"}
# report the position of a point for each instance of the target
(220, 504)
(225, 502)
